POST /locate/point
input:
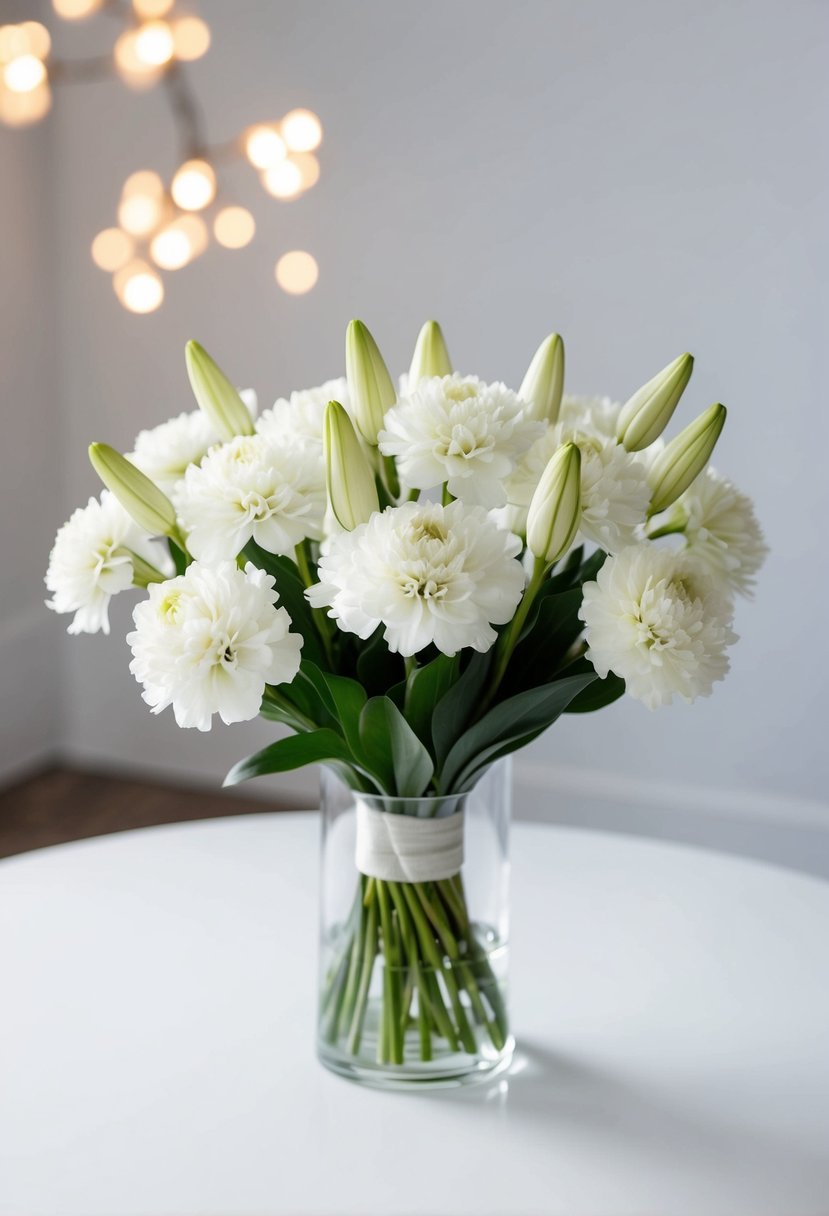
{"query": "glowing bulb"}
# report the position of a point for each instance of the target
(24, 74)
(179, 243)
(194, 185)
(309, 168)
(154, 43)
(135, 71)
(140, 214)
(76, 10)
(148, 9)
(37, 38)
(283, 180)
(297, 272)
(143, 181)
(234, 227)
(138, 287)
(302, 130)
(191, 38)
(21, 109)
(264, 147)
(112, 249)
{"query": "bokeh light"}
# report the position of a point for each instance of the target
(24, 74)
(264, 147)
(141, 209)
(21, 109)
(191, 38)
(309, 168)
(234, 227)
(154, 43)
(112, 249)
(177, 244)
(302, 130)
(138, 287)
(297, 272)
(283, 180)
(149, 9)
(194, 185)
(76, 10)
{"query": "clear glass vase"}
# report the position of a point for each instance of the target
(414, 934)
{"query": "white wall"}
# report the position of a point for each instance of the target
(30, 494)
(645, 177)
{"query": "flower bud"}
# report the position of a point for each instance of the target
(370, 387)
(215, 394)
(352, 492)
(431, 358)
(684, 458)
(139, 496)
(543, 385)
(555, 510)
(644, 417)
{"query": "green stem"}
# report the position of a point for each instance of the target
(320, 619)
(433, 955)
(369, 955)
(509, 638)
(391, 978)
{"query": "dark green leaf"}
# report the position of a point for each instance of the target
(393, 750)
(179, 559)
(596, 695)
(543, 648)
(377, 668)
(425, 687)
(456, 708)
(316, 747)
(291, 591)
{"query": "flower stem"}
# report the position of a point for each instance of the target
(509, 638)
(320, 619)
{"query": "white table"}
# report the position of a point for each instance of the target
(157, 1027)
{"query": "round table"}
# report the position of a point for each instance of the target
(157, 1005)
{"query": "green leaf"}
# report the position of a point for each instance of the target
(377, 668)
(393, 750)
(425, 687)
(514, 719)
(543, 648)
(180, 561)
(344, 699)
(455, 709)
(596, 695)
(316, 747)
(291, 590)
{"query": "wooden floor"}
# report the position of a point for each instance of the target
(62, 804)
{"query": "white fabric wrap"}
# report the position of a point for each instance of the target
(403, 848)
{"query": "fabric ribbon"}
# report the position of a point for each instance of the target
(403, 848)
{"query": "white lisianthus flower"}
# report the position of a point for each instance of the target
(208, 641)
(426, 573)
(298, 419)
(91, 561)
(614, 487)
(590, 415)
(250, 488)
(722, 534)
(459, 430)
(660, 626)
(165, 452)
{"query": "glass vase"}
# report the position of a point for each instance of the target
(414, 934)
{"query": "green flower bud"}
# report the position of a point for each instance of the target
(215, 394)
(684, 458)
(349, 478)
(555, 510)
(644, 417)
(370, 387)
(543, 385)
(139, 496)
(431, 358)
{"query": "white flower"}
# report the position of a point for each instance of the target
(298, 420)
(209, 641)
(427, 573)
(459, 430)
(655, 622)
(165, 452)
(590, 415)
(250, 488)
(722, 534)
(90, 561)
(614, 486)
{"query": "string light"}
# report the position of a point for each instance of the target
(234, 227)
(302, 130)
(138, 287)
(161, 228)
(194, 185)
(297, 272)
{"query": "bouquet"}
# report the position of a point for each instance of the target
(415, 580)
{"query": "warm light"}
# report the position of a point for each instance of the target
(194, 185)
(234, 227)
(178, 243)
(136, 71)
(297, 272)
(264, 147)
(283, 180)
(191, 38)
(138, 287)
(302, 130)
(112, 249)
(196, 230)
(21, 109)
(148, 9)
(140, 214)
(76, 10)
(154, 43)
(309, 168)
(37, 38)
(24, 74)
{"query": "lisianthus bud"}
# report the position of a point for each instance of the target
(431, 358)
(684, 458)
(370, 388)
(644, 417)
(543, 384)
(215, 394)
(139, 497)
(555, 510)
(352, 491)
